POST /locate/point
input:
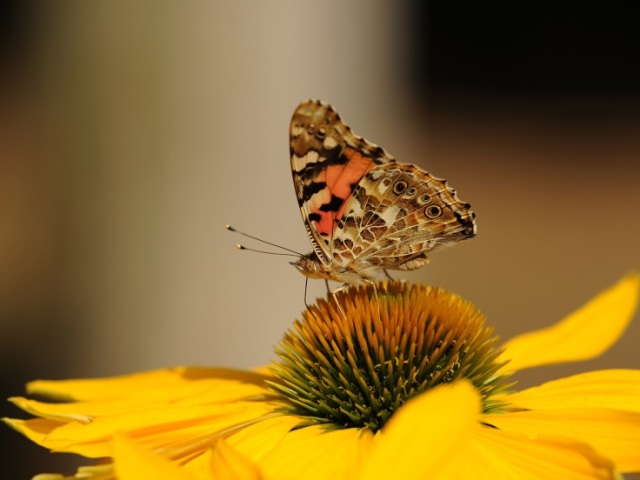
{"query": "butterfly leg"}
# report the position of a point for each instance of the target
(334, 294)
(386, 274)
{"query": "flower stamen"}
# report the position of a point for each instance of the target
(355, 370)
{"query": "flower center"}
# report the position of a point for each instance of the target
(354, 364)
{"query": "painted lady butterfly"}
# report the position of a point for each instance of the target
(364, 212)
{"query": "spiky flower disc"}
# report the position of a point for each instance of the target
(354, 364)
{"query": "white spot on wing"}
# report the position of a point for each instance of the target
(311, 156)
(300, 162)
(390, 214)
(382, 188)
(330, 143)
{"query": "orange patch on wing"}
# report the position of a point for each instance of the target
(325, 224)
(340, 180)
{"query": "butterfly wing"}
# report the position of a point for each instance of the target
(327, 162)
(396, 214)
(363, 211)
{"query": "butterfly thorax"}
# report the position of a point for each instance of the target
(311, 266)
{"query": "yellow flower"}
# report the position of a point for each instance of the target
(397, 381)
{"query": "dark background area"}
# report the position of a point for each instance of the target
(542, 50)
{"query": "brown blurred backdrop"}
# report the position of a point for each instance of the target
(132, 132)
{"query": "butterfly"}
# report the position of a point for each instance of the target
(364, 212)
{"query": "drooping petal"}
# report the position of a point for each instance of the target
(132, 462)
(612, 433)
(427, 437)
(615, 389)
(35, 429)
(155, 428)
(159, 409)
(584, 334)
(228, 464)
(64, 412)
(315, 453)
(502, 454)
(186, 394)
(167, 385)
(257, 440)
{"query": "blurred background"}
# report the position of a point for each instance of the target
(132, 132)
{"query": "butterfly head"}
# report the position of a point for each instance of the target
(311, 266)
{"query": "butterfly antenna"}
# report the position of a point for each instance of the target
(242, 247)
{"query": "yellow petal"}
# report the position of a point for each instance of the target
(314, 453)
(156, 383)
(186, 394)
(612, 433)
(84, 472)
(132, 462)
(36, 429)
(62, 412)
(427, 437)
(156, 428)
(502, 454)
(584, 334)
(228, 464)
(614, 389)
(259, 439)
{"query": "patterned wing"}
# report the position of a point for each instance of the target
(327, 162)
(398, 213)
